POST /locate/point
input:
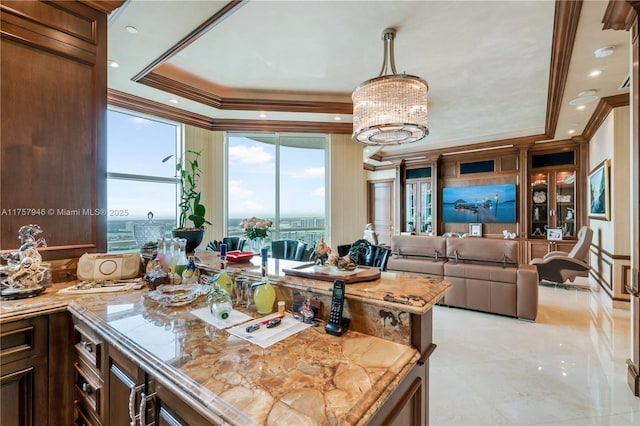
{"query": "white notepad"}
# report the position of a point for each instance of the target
(236, 317)
(265, 337)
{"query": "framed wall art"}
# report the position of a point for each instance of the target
(554, 234)
(598, 191)
(483, 203)
(475, 230)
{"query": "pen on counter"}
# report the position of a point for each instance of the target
(271, 319)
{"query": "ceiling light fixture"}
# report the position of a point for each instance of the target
(113, 64)
(390, 109)
(173, 101)
(595, 73)
(604, 51)
(584, 97)
(580, 107)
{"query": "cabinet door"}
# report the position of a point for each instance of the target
(170, 410)
(539, 219)
(553, 203)
(23, 397)
(565, 198)
(126, 383)
(418, 207)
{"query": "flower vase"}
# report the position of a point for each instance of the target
(256, 244)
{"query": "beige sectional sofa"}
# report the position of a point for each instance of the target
(484, 272)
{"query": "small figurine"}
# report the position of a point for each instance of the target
(371, 235)
(321, 252)
(24, 270)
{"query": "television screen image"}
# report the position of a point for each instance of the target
(480, 204)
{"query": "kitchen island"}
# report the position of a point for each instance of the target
(183, 362)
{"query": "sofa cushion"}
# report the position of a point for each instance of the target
(481, 272)
(418, 245)
(426, 266)
(479, 250)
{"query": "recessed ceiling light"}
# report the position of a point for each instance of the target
(337, 118)
(173, 101)
(263, 115)
(113, 64)
(595, 73)
(131, 30)
(571, 131)
(581, 107)
(604, 51)
(584, 97)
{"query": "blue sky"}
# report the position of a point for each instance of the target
(252, 179)
(137, 146)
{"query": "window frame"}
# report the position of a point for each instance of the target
(278, 138)
(178, 153)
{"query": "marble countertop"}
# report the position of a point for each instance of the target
(410, 293)
(309, 378)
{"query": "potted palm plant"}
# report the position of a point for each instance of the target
(190, 206)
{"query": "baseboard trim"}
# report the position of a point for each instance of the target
(633, 378)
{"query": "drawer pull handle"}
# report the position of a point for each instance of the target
(143, 407)
(86, 346)
(132, 400)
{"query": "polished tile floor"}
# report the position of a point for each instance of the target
(567, 368)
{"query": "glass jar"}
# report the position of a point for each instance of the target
(219, 303)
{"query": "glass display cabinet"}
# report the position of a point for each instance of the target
(418, 207)
(553, 198)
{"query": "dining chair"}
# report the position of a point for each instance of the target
(288, 249)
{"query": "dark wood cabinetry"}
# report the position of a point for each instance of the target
(111, 389)
(54, 71)
(553, 199)
(24, 379)
(35, 371)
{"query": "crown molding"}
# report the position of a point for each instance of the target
(619, 15)
(565, 27)
(145, 106)
(205, 97)
(602, 110)
(104, 6)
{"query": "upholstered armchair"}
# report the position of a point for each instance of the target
(560, 266)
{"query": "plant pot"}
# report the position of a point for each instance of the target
(193, 237)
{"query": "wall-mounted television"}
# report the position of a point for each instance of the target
(480, 204)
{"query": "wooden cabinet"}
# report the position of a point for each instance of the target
(553, 199)
(111, 389)
(54, 100)
(553, 203)
(24, 378)
(35, 371)
(88, 373)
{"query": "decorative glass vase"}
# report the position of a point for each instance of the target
(256, 244)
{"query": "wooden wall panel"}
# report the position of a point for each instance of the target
(52, 152)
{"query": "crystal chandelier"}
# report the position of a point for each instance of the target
(390, 109)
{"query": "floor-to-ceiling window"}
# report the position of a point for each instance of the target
(277, 177)
(138, 181)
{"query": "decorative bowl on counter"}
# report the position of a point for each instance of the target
(237, 256)
(176, 295)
